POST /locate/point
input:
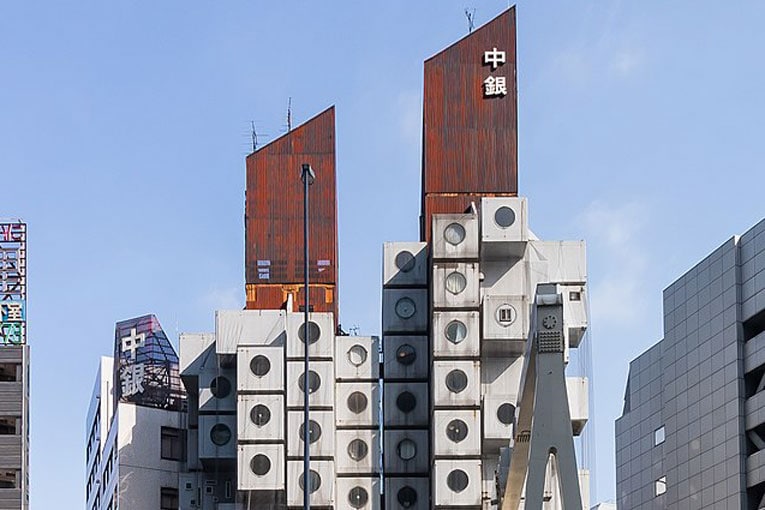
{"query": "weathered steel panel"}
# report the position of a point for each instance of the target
(469, 121)
(322, 298)
(274, 206)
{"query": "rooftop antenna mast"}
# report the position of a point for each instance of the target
(470, 15)
(254, 135)
(289, 114)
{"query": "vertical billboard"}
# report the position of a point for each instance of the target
(147, 366)
(13, 282)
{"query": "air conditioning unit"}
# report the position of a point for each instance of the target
(456, 334)
(406, 404)
(578, 402)
(260, 417)
(405, 265)
(248, 327)
(321, 429)
(456, 383)
(455, 285)
(357, 358)
(504, 227)
(321, 383)
(505, 324)
(406, 358)
(405, 310)
(260, 467)
(407, 493)
(321, 335)
(260, 369)
(358, 493)
(498, 419)
(558, 261)
(456, 432)
(457, 482)
(322, 484)
(357, 404)
(406, 452)
(357, 452)
(455, 236)
(217, 436)
(217, 389)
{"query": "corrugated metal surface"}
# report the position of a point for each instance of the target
(274, 206)
(449, 203)
(470, 140)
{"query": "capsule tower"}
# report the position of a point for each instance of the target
(246, 380)
(456, 304)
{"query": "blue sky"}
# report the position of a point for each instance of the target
(124, 126)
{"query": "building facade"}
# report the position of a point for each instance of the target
(136, 423)
(691, 435)
(14, 367)
(426, 427)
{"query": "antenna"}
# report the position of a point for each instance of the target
(254, 135)
(470, 15)
(289, 114)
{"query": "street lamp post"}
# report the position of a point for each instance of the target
(307, 176)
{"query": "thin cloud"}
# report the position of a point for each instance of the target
(615, 236)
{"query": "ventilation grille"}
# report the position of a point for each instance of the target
(550, 341)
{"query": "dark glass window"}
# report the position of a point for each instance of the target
(171, 444)
(220, 387)
(168, 498)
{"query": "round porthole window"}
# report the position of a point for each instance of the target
(260, 366)
(314, 479)
(406, 402)
(457, 480)
(406, 497)
(357, 449)
(506, 413)
(314, 431)
(357, 355)
(504, 217)
(405, 308)
(220, 387)
(314, 332)
(405, 261)
(220, 434)
(357, 402)
(456, 331)
(406, 354)
(454, 234)
(260, 415)
(456, 381)
(358, 497)
(406, 449)
(456, 282)
(314, 381)
(260, 464)
(456, 430)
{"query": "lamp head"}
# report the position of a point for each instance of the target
(307, 173)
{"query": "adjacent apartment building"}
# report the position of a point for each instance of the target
(692, 432)
(136, 422)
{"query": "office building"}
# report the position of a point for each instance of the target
(136, 422)
(692, 432)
